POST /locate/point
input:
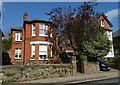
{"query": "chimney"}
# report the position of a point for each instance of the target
(25, 16)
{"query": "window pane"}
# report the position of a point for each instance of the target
(42, 51)
(33, 51)
(18, 36)
(42, 56)
(17, 53)
(43, 29)
(33, 29)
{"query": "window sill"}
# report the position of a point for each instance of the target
(43, 59)
(43, 35)
(33, 35)
(17, 58)
(18, 40)
(32, 59)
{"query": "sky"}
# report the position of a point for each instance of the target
(12, 12)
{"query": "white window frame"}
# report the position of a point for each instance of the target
(44, 28)
(51, 33)
(51, 52)
(18, 36)
(32, 52)
(43, 52)
(18, 52)
(34, 29)
(102, 23)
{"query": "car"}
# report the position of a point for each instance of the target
(104, 66)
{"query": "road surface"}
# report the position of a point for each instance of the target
(111, 81)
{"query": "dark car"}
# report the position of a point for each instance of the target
(103, 65)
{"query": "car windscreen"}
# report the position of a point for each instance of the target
(100, 60)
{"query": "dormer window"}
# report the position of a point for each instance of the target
(18, 36)
(33, 29)
(102, 22)
(43, 29)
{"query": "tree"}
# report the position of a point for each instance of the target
(6, 44)
(77, 25)
(116, 43)
(97, 46)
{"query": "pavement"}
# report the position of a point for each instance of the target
(113, 73)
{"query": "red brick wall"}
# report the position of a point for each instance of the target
(25, 44)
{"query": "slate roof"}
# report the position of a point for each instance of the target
(37, 20)
(17, 28)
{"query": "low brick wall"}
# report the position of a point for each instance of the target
(92, 68)
(31, 72)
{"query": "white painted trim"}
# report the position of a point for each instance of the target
(19, 35)
(33, 29)
(69, 51)
(41, 42)
(17, 58)
(32, 59)
(43, 35)
(43, 59)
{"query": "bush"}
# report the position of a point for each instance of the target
(9, 74)
(83, 58)
(64, 57)
(115, 62)
(22, 68)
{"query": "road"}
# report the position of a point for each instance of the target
(112, 81)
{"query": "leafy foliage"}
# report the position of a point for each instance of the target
(81, 28)
(9, 74)
(64, 57)
(97, 46)
(83, 58)
(116, 42)
(6, 44)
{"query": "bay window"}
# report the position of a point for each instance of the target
(43, 52)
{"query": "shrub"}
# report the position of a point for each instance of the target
(7, 81)
(9, 74)
(83, 58)
(22, 68)
(64, 57)
(115, 61)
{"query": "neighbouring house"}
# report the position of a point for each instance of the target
(116, 33)
(116, 41)
(104, 21)
(36, 41)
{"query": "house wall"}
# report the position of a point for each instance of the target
(25, 45)
(16, 44)
(107, 26)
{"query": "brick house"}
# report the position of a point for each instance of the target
(104, 22)
(34, 42)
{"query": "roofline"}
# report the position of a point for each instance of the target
(16, 29)
(36, 20)
(102, 13)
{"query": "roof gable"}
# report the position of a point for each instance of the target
(105, 17)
